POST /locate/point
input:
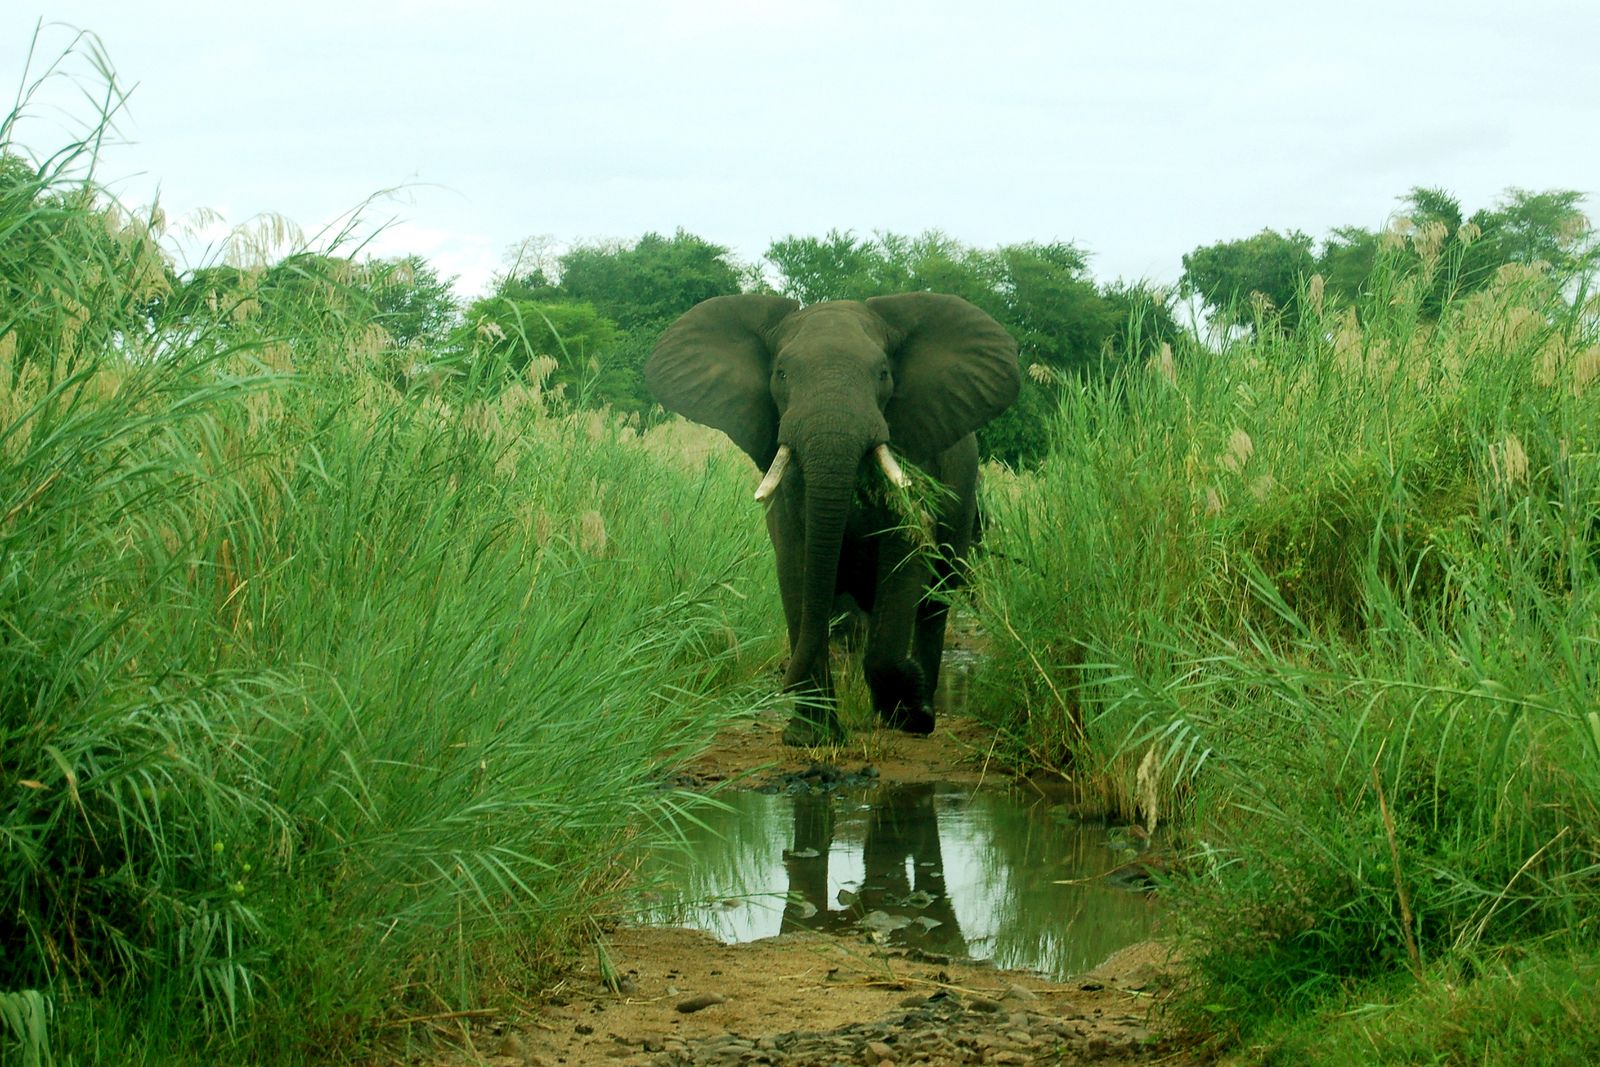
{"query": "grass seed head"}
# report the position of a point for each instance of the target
(592, 533)
(1240, 449)
(1164, 364)
(1509, 462)
(1585, 369)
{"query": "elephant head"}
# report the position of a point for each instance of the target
(827, 386)
(918, 370)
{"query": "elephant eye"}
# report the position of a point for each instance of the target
(783, 376)
(883, 376)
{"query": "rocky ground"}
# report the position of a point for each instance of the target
(678, 997)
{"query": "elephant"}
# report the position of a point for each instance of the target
(819, 397)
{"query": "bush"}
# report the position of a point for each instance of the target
(320, 704)
(1332, 596)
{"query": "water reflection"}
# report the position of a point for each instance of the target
(991, 875)
(900, 895)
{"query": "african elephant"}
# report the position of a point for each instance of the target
(811, 393)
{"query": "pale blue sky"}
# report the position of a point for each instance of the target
(1137, 130)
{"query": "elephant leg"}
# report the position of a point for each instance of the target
(900, 692)
(815, 720)
(927, 646)
(956, 530)
(933, 614)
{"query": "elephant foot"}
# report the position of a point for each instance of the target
(806, 732)
(897, 694)
(916, 719)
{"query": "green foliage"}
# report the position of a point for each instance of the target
(1349, 257)
(842, 266)
(1263, 280)
(415, 307)
(1021, 434)
(566, 347)
(63, 250)
(25, 1028)
(601, 313)
(650, 283)
(1052, 308)
(1252, 279)
(1533, 1008)
(1332, 598)
(320, 703)
(392, 317)
(1143, 324)
(1545, 233)
(1065, 326)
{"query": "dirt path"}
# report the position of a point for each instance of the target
(805, 998)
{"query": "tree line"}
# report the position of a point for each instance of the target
(1266, 281)
(580, 324)
(597, 309)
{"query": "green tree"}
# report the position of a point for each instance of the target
(1346, 262)
(1229, 275)
(323, 309)
(1431, 238)
(1052, 307)
(1144, 322)
(636, 288)
(839, 266)
(562, 346)
(418, 313)
(1431, 241)
(415, 307)
(1546, 230)
(1041, 292)
(650, 282)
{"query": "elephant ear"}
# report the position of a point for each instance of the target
(713, 366)
(955, 368)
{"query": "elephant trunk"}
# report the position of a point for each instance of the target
(828, 465)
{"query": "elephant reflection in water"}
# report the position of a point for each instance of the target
(904, 876)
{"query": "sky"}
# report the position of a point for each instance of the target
(1138, 131)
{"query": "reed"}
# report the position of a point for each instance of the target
(1329, 598)
(323, 705)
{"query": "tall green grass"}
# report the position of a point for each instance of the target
(322, 706)
(1331, 597)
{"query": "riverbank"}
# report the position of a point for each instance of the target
(673, 996)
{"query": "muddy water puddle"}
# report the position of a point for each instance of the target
(996, 875)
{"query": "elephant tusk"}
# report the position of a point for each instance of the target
(769, 484)
(891, 469)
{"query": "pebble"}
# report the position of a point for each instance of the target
(938, 1030)
(700, 1002)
